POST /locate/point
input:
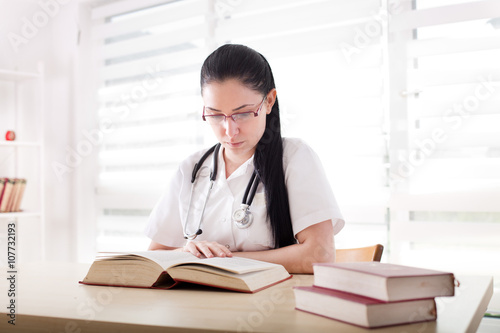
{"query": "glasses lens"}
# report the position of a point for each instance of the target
(241, 117)
(215, 119)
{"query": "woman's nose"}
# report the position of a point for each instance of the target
(231, 127)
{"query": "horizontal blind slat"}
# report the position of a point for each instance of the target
(446, 108)
(166, 108)
(444, 15)
(121, 7)
(173, 12)
(472, 200)
(239, 8)
(471, 123)
(460, 168)
(148, 43)
(160, 85)
(341, 39)
(438, 46)
(179, 130)
(293, 19)
(153, 64)
(145, 156)
(457, 140)
(418, 78)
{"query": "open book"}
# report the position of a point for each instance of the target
(165, 269)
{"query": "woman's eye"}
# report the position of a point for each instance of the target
(216, 116)
(213, 118)
(242, 115)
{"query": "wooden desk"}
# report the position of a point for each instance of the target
(49, 299)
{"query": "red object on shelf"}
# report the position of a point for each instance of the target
(10, 136)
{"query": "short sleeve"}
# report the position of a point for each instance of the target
(164, 225)
(310, 195)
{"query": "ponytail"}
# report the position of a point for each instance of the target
(233, 61)
(268, 162)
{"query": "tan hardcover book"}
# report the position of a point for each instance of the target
(165, 269)
(6, 195)
(19, 195)
(13, 195)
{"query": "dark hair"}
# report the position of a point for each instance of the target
(232, 61)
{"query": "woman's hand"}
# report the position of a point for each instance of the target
(208, 249)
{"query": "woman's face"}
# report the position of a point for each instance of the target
(231, 97)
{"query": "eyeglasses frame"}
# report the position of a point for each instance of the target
(255, 113)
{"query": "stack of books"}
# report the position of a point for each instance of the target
(374, 294)
(11, 194)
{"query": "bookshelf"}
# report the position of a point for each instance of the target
(21, 110)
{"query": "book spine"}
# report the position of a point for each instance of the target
(6, 195)
(19, 196)
(2, 187)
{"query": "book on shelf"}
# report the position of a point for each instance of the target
(6, 189)
(19, 191)
(165, 269)
(11, 194)
(384, 281)
(362, 311)
(2, 189)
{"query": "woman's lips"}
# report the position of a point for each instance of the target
(234, 144)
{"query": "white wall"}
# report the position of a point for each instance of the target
(54, 42)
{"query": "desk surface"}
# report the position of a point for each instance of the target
(49, 298)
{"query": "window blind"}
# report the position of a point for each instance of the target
(330, 65)
(446, 165)
(150, 53)
(329, 62)
(400, 99)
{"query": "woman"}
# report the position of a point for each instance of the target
(292, 213)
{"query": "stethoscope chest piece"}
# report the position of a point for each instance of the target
(242, 217)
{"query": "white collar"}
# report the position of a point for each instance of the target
(246, 167)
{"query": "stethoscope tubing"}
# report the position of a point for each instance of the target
(254, 180)
(247, 196)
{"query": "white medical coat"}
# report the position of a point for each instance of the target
(310, 196)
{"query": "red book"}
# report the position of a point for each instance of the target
(382, 281)
(2, 187)
(362, 311)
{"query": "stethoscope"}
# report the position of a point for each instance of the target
(242, 217)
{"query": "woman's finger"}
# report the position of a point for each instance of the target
(204, 248)
(192, 248)
(219, 250)
(210, 249)
(224, 251)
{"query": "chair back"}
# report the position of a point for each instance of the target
(368, 253)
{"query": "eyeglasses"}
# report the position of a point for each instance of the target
(238, 118)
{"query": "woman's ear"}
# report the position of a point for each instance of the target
(271, 98)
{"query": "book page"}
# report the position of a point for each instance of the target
(168, 259)
(236, 264)
(165, 259)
